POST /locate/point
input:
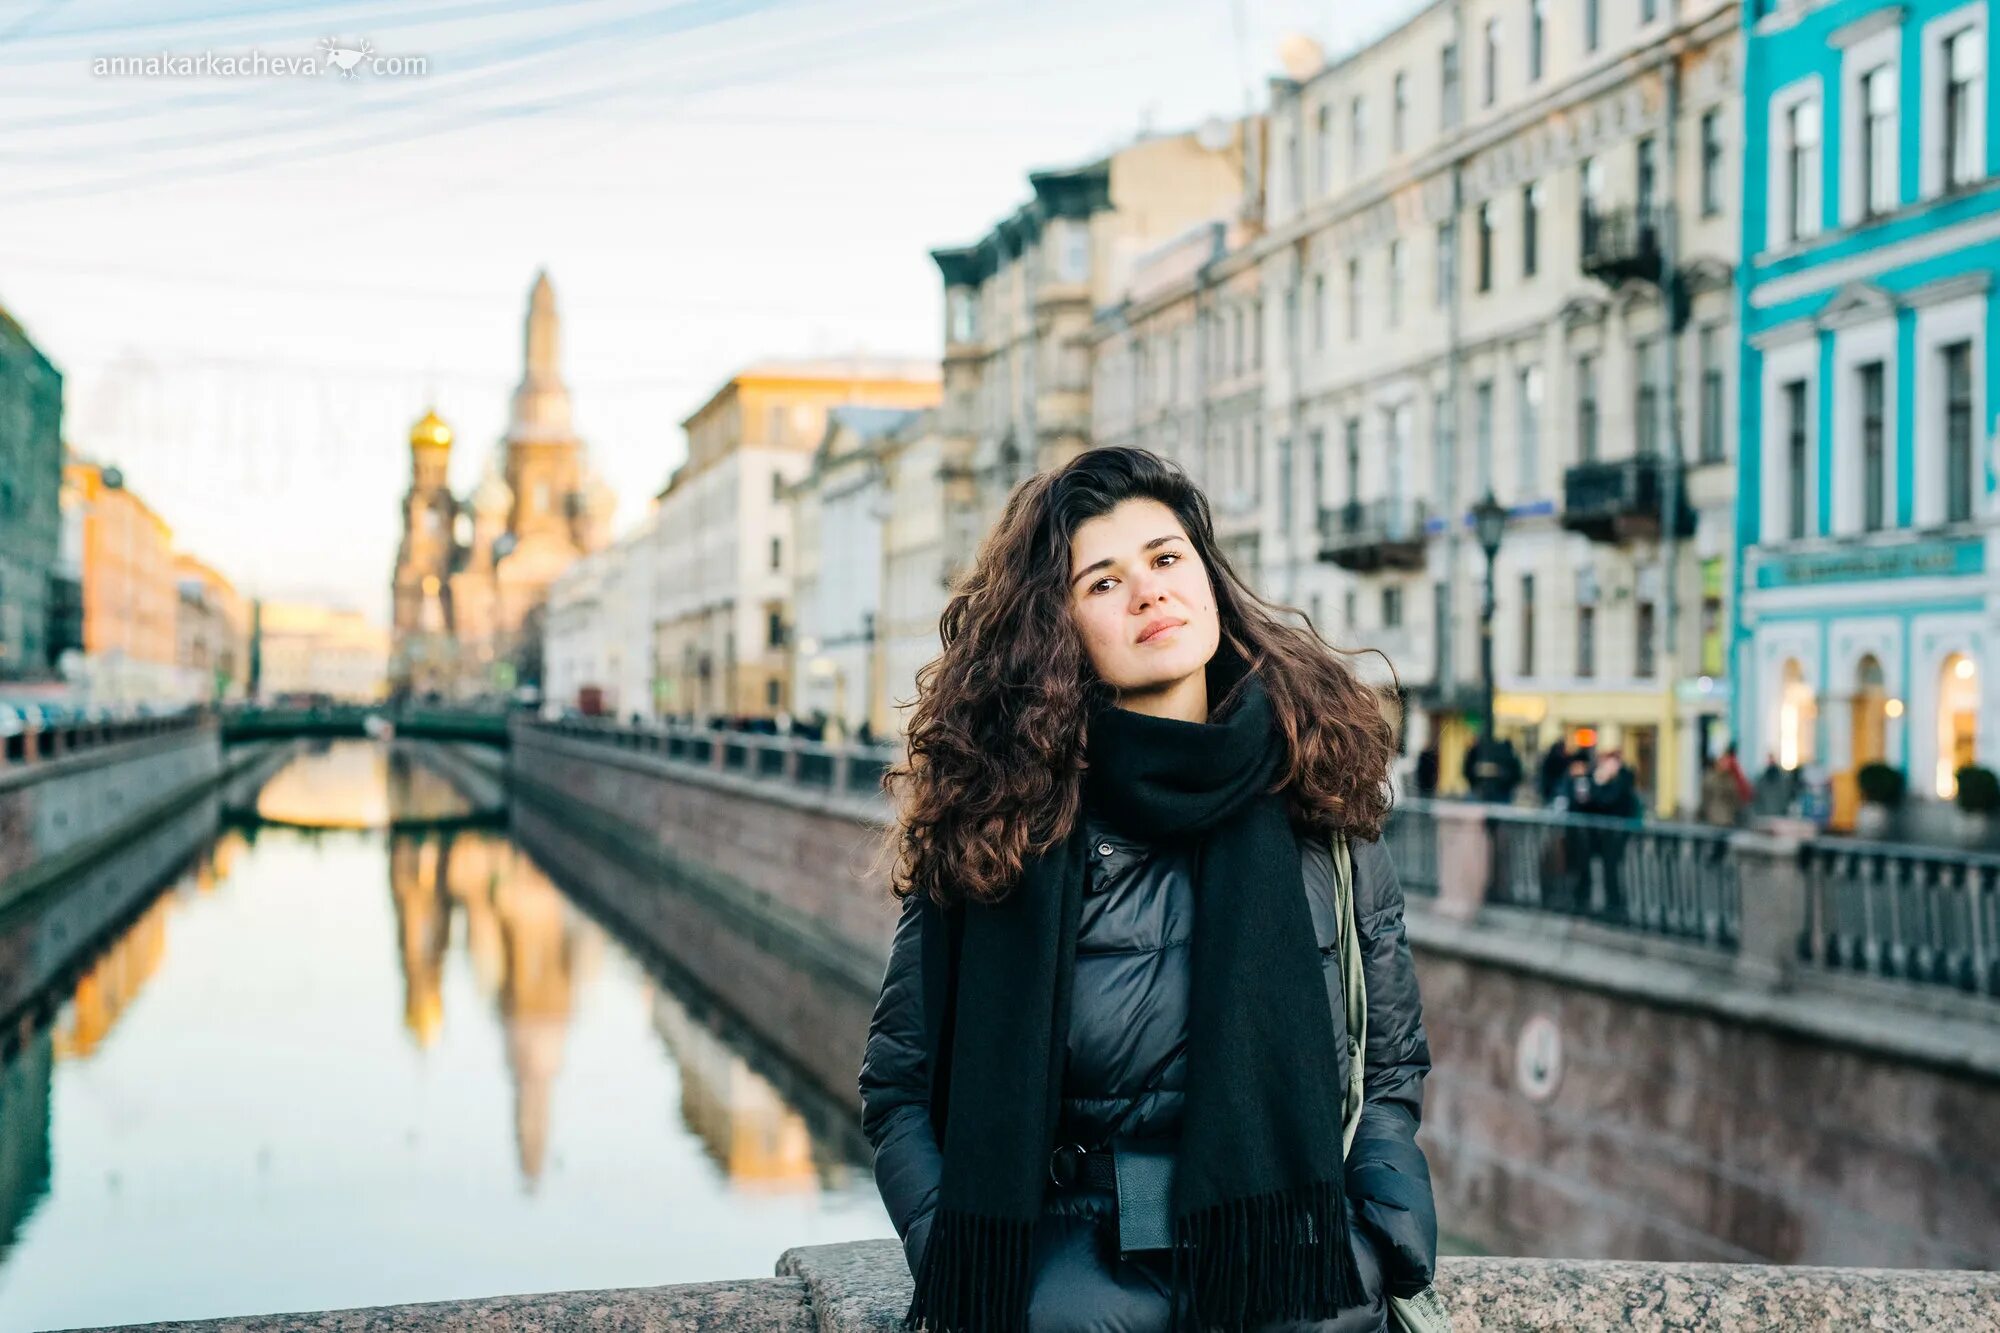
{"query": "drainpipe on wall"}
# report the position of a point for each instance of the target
(1671, 492)
(1447, 485)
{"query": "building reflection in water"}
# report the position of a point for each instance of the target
(528, 947)
(761, 1143)
(24, 1136)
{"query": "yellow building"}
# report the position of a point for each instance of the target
(724, 533)
(211, 631)
(130, 592)
(311, 649)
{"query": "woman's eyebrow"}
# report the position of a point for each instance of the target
(1109, 561)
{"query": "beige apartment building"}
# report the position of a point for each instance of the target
(722, 538)
(1019, 302)
(1498, 261)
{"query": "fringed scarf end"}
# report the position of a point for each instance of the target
(1281, 1255)
(975, 1276)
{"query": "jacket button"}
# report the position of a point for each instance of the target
(1104, 849)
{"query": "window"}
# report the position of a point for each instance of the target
(1711, 163)
(1964, 104)
(1445, 277)
(1357, 134)
(777, 553)
(1957, 431)
(1489, 80)
(1870, 382)
(1646, 179)
(1353, 461)
(1073, 254)
(1586, 641)
(1646, 396)
(1448, 104)
(774, 629)
(1709, 350)
(1531, 228)
(1644, 642)
(1257, 334)
(1593, 26)
(1586, 408)
(1794, 392)
(1395, 283)
(1801, 201)
(1537, 34)
(1486, 219)
(1482, 436)
(1878, 140)
(1236, 337)
(1350, 612)
(1319, 311)
(1590, 198)
(1295, 169)
(1648, 10)
(1324, 143)
(777, 487)
(1528, 392)
(1399, 112)
(1714, 638)
(1527, 663)
(1353, 299)
(1392, 608)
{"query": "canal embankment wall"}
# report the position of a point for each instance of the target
(1591, 1096)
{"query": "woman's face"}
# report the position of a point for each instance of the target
(1132, 571)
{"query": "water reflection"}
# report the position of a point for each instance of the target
(281, 1088)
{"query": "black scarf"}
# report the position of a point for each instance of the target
(1259, 1220)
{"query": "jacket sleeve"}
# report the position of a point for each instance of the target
(895, 1091)
(1386, 1170)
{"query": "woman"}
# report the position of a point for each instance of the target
(1118, 926)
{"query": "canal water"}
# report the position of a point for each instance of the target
(364, 1050)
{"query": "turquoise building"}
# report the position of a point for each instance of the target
(1867, 608)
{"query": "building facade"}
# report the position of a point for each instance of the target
(211, 633)
(723, 538)
(1178, 368)
(1870, 589)
(1019, 303)
(131, 594)
(307, 649)
(472, 574)
(31, 477)
(1498, 261)
(841, 510)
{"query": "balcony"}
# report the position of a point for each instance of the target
(1620, 244)
(1367, 536)
(1620, 500)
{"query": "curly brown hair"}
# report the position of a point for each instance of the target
(996, 740)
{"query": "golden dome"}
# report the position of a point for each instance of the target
(430, 433)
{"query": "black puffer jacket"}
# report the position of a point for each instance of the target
(1126, 1074)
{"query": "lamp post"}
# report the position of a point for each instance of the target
(1489, 522)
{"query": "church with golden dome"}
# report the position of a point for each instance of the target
(473, 572)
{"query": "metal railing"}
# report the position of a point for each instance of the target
(1904, 912)
(1411, 836)
(37, 743)
(1679, 881)
(848, 769)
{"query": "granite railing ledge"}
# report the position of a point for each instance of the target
(749, 1305)
(864, 1287)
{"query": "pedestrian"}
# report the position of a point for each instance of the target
(1492, 770)
(1427, 770)
(1613, 794)
(1722, 793)
(1555, 768)
(1139, 791)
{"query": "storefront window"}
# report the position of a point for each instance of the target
(1958, 721)
(1797, 713)
(1871, 716)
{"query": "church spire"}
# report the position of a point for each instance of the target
(541, 402)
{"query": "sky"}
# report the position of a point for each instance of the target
(254, 285)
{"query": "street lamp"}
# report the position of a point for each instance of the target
(1489, 523)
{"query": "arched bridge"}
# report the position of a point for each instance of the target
(439, 724)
